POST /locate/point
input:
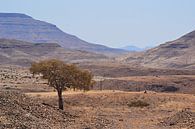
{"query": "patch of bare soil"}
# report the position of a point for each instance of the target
(168, 83)
(115, 69)
(20, 79)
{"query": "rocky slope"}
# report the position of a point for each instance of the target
(23, 53)
(28, 114)
(25, 28)
(175, 54)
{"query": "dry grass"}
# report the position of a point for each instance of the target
(113, 107)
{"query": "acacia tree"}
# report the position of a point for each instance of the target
(62, 76)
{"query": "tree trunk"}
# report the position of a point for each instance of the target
(60, 100)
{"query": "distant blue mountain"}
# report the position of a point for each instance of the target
(135, 48)
(132, 48)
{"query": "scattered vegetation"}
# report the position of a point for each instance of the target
(62, 76)
(138, 103)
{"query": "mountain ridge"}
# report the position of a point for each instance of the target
(177, 54)
(15, 52)
(25, 28)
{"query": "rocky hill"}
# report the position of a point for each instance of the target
(25, 28)
(175, 54)
(23, 53)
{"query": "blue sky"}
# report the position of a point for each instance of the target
(114, 23)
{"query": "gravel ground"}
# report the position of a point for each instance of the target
(20, 112)
(182, 119)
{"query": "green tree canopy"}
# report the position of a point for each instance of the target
(62, 76)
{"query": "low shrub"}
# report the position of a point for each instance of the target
(138, 103)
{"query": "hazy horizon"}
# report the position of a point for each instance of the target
(113, 23)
